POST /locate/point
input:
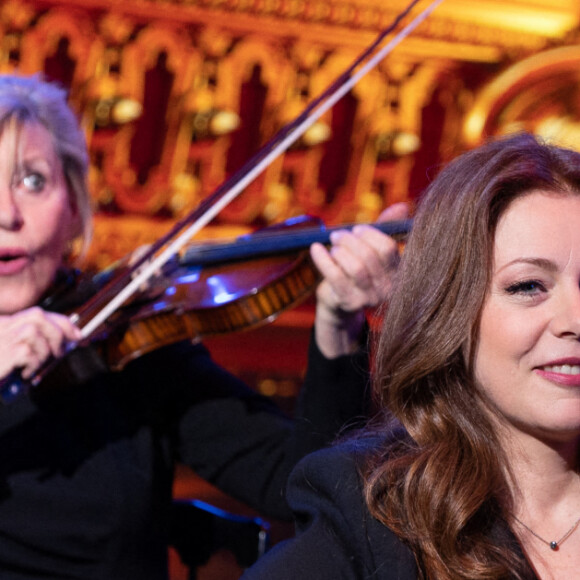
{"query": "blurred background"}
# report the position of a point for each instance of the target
(175, 95)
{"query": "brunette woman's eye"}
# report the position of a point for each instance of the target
(526, 287)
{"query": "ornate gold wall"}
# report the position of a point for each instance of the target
(175, 95)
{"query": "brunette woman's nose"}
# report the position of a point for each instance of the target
(566, 319)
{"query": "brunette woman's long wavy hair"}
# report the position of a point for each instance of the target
(443, 488)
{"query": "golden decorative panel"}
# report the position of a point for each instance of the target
(539, 94)
(175, 95)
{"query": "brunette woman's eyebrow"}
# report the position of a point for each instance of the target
(542, 263)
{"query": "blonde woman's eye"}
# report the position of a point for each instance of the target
(34, 182)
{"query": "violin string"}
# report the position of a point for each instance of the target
(156, 263)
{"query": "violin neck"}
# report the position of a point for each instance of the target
(266, 243)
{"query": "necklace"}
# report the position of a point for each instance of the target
(554, 544)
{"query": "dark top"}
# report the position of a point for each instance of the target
(336, 536)
(86, 472)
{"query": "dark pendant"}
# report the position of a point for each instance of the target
(553, 545)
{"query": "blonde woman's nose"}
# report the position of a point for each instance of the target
(10, 215)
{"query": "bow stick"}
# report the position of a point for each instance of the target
(226, 193)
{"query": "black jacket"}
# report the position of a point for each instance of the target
(336, 538)
(86, 471)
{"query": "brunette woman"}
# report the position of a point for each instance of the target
(471, 471)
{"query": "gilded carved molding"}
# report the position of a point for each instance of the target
(539, 94)
(349, 22)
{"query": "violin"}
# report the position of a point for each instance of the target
(211, 289)
(219, 288)
(116, 302)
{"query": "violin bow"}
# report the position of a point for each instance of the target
(150, 263)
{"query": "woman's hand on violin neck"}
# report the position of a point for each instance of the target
(357, 273)
(30, 337)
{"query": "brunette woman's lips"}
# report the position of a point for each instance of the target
(13, 261)
(565, 372)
